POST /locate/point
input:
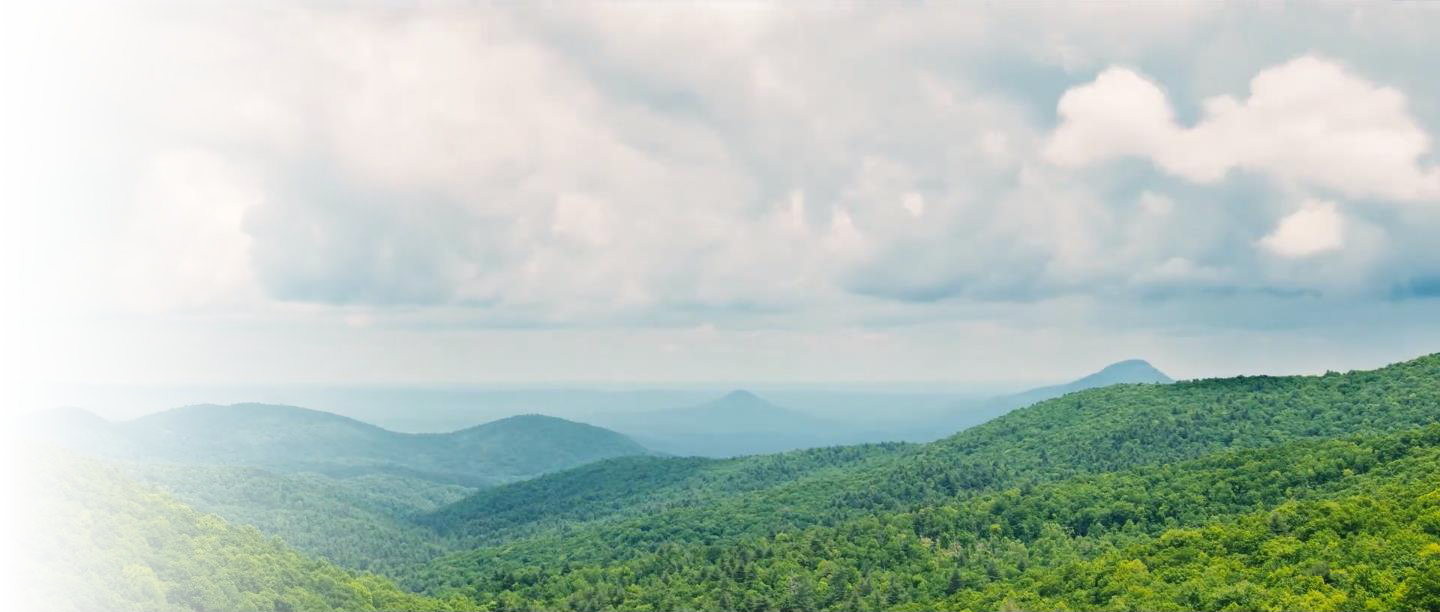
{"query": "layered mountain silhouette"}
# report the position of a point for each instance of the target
(297, 439)
(738, 423)
(743, 423)
(1130, 371)
(288, 438)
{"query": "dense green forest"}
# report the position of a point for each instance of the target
(1308, 525)
(1087, 432)
(359, 522)
(109, 543)
(1318, 492)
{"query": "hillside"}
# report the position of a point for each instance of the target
(632, 485)
(1306, 525)
(358, 522)
(1087, 433)
(108, 543)
(1297, 492)
(291, 439)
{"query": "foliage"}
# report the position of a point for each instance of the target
(359, 522)
(634, 486)
(1244, 493)
(1308, 525)
(1088, 432)
(109, 543)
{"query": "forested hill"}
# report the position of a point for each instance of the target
(1122, 427)
(296, 439)
(1088, 431)
(1298, 492)
(1309, 525)
(108, 543)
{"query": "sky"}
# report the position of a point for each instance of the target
(454, 192)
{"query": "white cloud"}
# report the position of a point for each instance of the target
(1308, 122)
(1316, 228)
(1119, 114)
(575, 166)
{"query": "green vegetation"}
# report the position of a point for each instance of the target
(634, 486)
(108, 543)
(1088, 432)
(1265, 493)
(1309, 525)
(360, 522)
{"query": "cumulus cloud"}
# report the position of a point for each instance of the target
(681, 163)
(1316, 228)
(1308, 122)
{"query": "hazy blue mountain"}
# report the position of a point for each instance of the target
(738, 423)
(736, 412)
(969, 413)
(446, 408)
(1131, 371)
(743, 423)
(288, 438)
(1078, 477)
(405, 408)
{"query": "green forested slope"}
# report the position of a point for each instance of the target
(360, 522)
(631, 486)
(1307, 525)
(1247, 493)
(108, 543)
(1083, 434)
(1090, 431)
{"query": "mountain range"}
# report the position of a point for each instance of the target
(1128, 372)
(1046, 507)
(292, 439)
(743, 423)
(738, 423)
(1255, 492)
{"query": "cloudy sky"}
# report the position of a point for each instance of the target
(462, 192)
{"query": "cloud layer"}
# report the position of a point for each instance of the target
(745, 166)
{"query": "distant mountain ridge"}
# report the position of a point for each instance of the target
(1130, 371)
(1193, 453)
(738, 423)
(289, 438)
(1126, 372)
(743, 423)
